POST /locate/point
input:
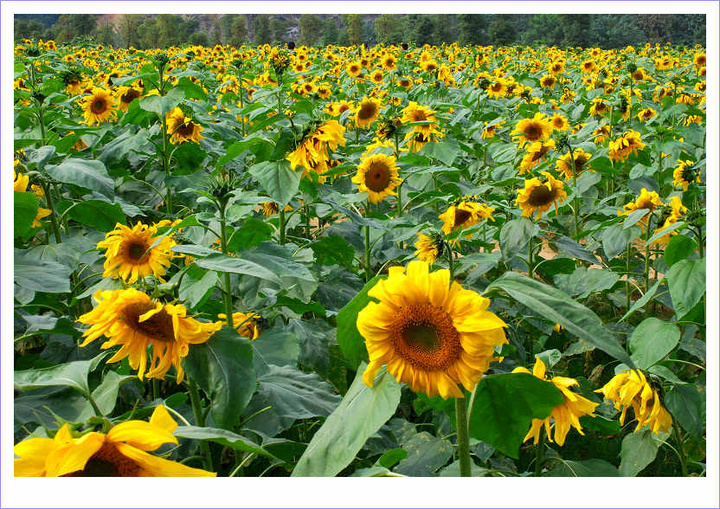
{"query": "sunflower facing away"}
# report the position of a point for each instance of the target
(123, 452)
(131, 319)
(428, 248)
(432, 335)
(576, 167)
(182, 128)
(245, 324)
(129, 255)
(684, 174)
(671, 214)
(648, 200)
(631, 389)
(532, 129)
(378, 176)
(466, 213)
(539, 196)
(621, 148)
(99, 106)
(367, 112)
(564, 415)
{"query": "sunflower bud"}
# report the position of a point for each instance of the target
(221, 186)
(631, 67)
(562, 139)
(33, 50)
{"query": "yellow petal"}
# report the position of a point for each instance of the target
(162, 419)
(154, 466)
(140, 434)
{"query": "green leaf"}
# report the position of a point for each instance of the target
(105, 394)
(71, 374)
(615, 239)
(190, 89)
(225, 263)
(558, 307)
(85, 173)
(256, 145)
(390, 458)
(425, 455)
(26, 209)
(277, 346)
(97, 214)
(278, 180)
(445, 151)
(188, 158)
(643, 300)
(40, 275)
(250, 234)
(583, 281)
(514, 237)
(196, 285)
(685, 403)
(162, 105)
(222, 437)
(349, 338)
(600, 424)
(503, 407)
(652, 340)
(296, 279)
(223, 368)
(634, 217)
(585, 468)
(638, 451)
(686, 281)
(679, 248)
(300, 307)
(332, 250)
(360, 415)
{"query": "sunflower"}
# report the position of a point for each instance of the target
(548, 81)
(684, 174)
(354, 69)
(466, 213)
(339, 108)
(417, 139)
(535, 153)
(378, 176)
(20, 181)
(429, 65)
(598, 107)
(560, 123)
(245, 324)
(312, 152)
(629, 143)
(376, 76)
(324, 91)
(123, 452)
(556, 68)
(588, 66)
(99, 106)
(539, 196)
(431, 334)
(631, 389)
(127, 95)
(367, 112)
(700, 59)
(578, 165)
(131, 255)
(564, 415)
(428, 248)
(646, 114)
(490, 129)
(671, 214)
(692, 119)
(405, 83)
(130, 318)
(389, 62)
(182, 128)
(532, 130)
(414, 112)
(497, 89)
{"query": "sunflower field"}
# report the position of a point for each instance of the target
(359, 261)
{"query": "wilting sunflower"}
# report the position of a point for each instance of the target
(129, 254)
(131, 319)
(684, 174)
(671, 214)
(564, 415)
(312, 152)
(432, 335)
(367, 112)
(466, 213)
(548, 81)
(99, 106)
(123, 452)
(539, 196)
(535, 153)
(578, 165)
(378, 176)
(631, 389)
(599, 107)
(182, 128)
(621, 148)
(646, 114)
(532, 129)
(428, 248)
(648, 200)
(245, 324)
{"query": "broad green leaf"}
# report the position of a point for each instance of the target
(188, 158)
(224, 263)
(277, 346)
(105, 394)
(85, 173)
(425, 455)
(685, 404)
(615, 239)
(503, 407)
(40, 156)
(445, 151)
(390, 458)
(222, 437)
(600, 424)
(652, 340)
(679, 248)
(71, 374)
(686, 280)
(250, 234)
(26, 209)
(190, 89)
(638, 451)
(569, 246)
(558, 307)
(97, 214)
(634, 217)
(349, 338)
(583, 281)
(585, 468)
(278, 180)
(223, 368)
(360, 415)
(41, 275)
(196, 285)
(254, 144)
(514, 237)
(162, 105)
(332, 250)
(643, 300)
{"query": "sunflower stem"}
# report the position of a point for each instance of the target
(281, 214)
(53, 214)
(194, 395)
(463, 437)
(227, 295)
(531, 267)
(368, 275)
(627, 277)
(540, 454)
(155, 388)
(647, 260)
(680, 449)
(575, 188)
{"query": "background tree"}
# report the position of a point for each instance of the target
(471, 29)
(310, 27)
(354, 24)
(388, 29)
(28, 29)
(261, 29)
(278, 28)
(501, 30)
(129, 34)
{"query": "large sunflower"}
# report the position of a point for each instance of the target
(532, 129)
(378, 176)
(123, 452)
(128, 95)
(539, 196)
(130, 254)
(432, 335)
(535, 153)
(563, 415)
(130, 318)
(99, 106)
(367, 112)
(182, 128)
(578, 165)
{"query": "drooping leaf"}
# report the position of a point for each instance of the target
(652, 340)
(583, 281)
(514, 237)
(71, 374)
(97, 214)
(222, 437)
(85, 173)
(250, 234)
(638, 451)
(278, 180)
(40, 275)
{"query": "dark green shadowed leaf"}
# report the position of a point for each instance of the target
(349, 338)
(26, 208)
(97, 214)
(679, 248)
(638, 451)
(686, 280)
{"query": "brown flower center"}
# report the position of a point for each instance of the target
(98, 106)
(541, 196)
(129, 96)
(461, 216)
(367, 111)
(136, 251)
(377, 177)
(533, 132)
(108, 462)
(158, 327)
(186, 130)
(425, 336)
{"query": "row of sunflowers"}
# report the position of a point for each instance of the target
(385, 261)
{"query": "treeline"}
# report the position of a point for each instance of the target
(162, 30)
